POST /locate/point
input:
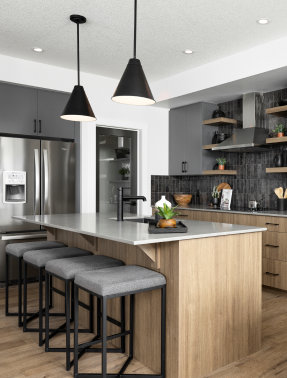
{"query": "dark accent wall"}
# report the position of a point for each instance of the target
(251, 182)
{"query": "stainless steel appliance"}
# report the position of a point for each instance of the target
(36, 177)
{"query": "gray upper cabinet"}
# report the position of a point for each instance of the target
(186, 136)
(33, 112)
(18, 109)
(177, 141)
(50, 107)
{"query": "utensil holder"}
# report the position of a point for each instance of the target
(281, 204)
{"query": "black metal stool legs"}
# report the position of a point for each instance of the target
(76, 336)
(20, 323)
(163, 329)
(25, 299)
(41, 306)
(79, 348)
(104, 337)
(7, 282)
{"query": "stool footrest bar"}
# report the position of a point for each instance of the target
(111, 337)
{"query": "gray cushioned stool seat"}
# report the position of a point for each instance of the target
(18, 249)
(68, 268)
(121, 280)
(41, 257)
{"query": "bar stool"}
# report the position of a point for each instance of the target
(66, 269)
(17, 250)
(118, 282)
(39, 259)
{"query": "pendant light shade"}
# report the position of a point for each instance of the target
(133, 88)
(78, 108)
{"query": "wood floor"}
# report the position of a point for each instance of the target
(20, 356)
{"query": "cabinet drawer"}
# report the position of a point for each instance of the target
(275, 245)
(184, 214)
(276, 224)
(274, 273)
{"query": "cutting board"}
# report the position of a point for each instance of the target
(223, 185)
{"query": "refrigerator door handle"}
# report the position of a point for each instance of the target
(46, 180)
(36, 182)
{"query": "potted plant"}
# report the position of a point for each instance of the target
(221, 163)
(215, 196)
(167, 215)
(123, 172)
(279, 130)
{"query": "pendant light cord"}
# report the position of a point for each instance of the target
(135, 29)
(78, 52)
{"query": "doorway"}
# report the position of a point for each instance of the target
(116, 167)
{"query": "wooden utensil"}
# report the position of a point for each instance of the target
(279, 192)
(285, 194)
(223, 185)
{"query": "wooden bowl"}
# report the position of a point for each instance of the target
(182, 199)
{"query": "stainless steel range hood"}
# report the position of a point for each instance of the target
(252, 135)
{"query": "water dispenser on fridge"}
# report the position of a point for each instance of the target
(14, 187)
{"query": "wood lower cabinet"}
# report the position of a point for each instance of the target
(274, 240)
(274, 273)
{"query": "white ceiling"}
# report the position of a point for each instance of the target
(213, 29)
(262, 83)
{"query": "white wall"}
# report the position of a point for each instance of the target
(152, 122)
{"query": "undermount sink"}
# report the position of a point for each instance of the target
(141, 220)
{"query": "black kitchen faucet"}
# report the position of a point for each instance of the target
(121, 200)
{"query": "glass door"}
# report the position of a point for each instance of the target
(116, 167)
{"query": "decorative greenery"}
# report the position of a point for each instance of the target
(124, 171)
(166, 212)
(215, 193)
(221, 161)
(279, 128)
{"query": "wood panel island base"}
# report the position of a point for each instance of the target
(213, 287)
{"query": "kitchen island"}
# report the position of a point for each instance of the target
(213, 277)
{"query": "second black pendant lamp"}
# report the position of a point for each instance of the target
(78, 107)
(133, 88)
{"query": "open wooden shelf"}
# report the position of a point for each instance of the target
(209, 146)
(276, 170)
(279, 111)
(276, 140)
(218, 172)
(219, 121)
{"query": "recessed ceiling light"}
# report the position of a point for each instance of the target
(37, 49)
(263, 21)
(187, 51)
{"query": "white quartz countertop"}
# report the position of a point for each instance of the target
(102, 226)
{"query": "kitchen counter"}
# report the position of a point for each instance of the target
(271, 213)
(101, 226)
(206, 270)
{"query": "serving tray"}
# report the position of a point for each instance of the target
(180, 228)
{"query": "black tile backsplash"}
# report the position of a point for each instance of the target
(251, 181)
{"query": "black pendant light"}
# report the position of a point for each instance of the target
(78, 107)
(133, 88)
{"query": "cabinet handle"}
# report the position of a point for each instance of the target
(35, 125)
(273, 224)
(185, 167)
(272, 274)
(182, 166)
(271, 245)
(40, 126)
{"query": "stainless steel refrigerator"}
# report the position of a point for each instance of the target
(36, 177)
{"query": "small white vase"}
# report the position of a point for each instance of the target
(162, 201)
